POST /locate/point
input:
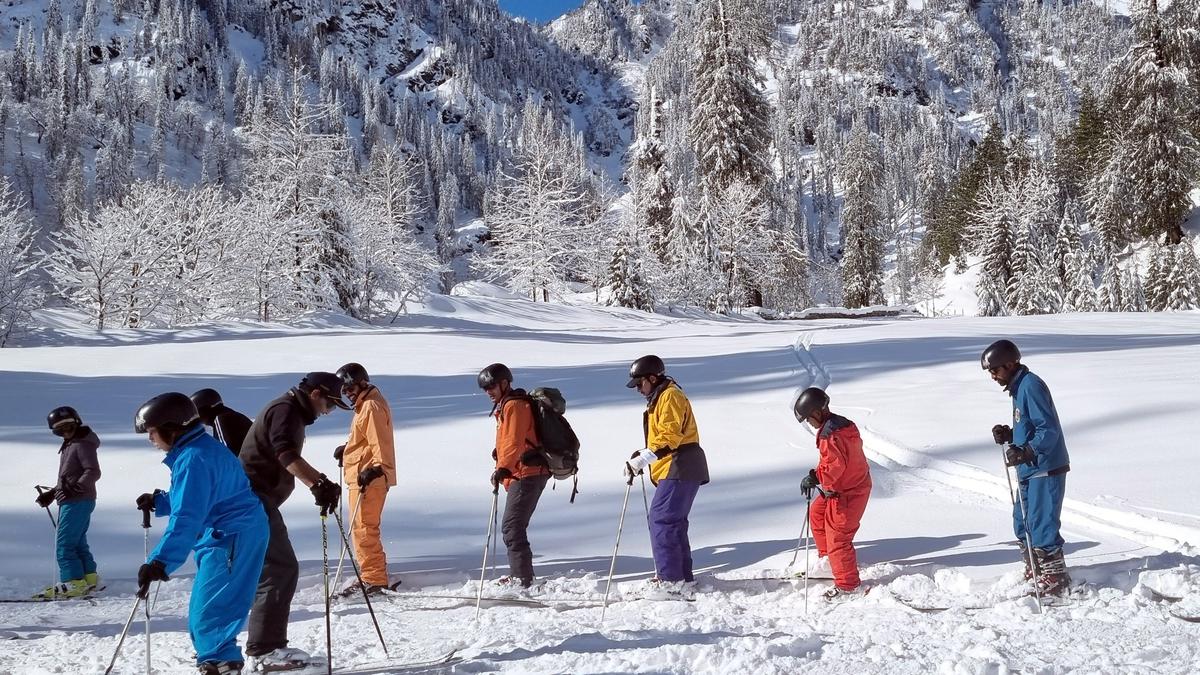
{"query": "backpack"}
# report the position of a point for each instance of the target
(557, 441)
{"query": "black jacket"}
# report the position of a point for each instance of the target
(275, 440)
(78, 467)
(230, 427)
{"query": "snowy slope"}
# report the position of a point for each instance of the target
(937, 529)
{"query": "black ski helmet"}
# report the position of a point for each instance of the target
(1000, 353)
(645, 367)
(205, 400)
(353, 373)
(808, 402)
(60, 416)
(166, 411)
(493, 374)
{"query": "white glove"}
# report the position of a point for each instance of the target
(639, 461)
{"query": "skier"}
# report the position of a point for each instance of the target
(213, 512)
(522, 470)
(369, 464)
(678, 467)
(271, 457)
(1036, 446)
(75, 492)
(843, 482)
(228, 425)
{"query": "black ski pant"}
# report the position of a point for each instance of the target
(519, 505)
(268, 622)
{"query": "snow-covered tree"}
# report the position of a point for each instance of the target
(1183, 278)
(862, 243)
(20, 293)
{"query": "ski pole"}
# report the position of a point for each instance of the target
(40, 489)
(486, 543)
(646, 505)
(612, 566)
(354, 565)
(1037, 592)
(124, 631)
(806, 532)
(325, 569)
(803, 531)
(337, 578)
(146, 548)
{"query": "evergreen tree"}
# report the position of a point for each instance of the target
(20, 293)
(730, 117)
(953, 218)
(862, 243)
(627, 286)
(1079, 289)
(1183, 279)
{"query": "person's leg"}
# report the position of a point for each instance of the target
(368, 547)
(668, 526)
(82, 551)
(519, 506)
(268, 622)
(1043, 502)
(72, 524)
(843, 515)
(816, 524)
(226, 577)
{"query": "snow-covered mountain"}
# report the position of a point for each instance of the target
(712, 154)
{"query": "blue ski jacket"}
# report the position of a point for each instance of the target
(209, 498)
(1035, 423)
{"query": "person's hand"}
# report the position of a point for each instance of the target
(337, 454)
(499, 476)
(1002, 433)
(326, 493)
(45, 499)
(1015, 455)
(640, 459)
(369, 474)
(148, 574)
(145, 501)
(809, 482)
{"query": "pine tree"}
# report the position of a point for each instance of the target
(1161, 261)
(990, 295)
(627, 286)
(950, 227)
(1112, 288)
(1079, 289)
(862, 243)
(730, 117)
(1183, 279)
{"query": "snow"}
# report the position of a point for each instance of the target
(937, 529)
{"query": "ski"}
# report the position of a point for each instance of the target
(1190, 618)
(930, 608)
(392, 666)
(486, 601)
(90, 597)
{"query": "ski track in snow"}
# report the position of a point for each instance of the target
(739, 621)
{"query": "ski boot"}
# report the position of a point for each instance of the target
(221, 668)
(1052, 573)
(75, 588)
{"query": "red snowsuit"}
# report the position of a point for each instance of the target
(845, 476)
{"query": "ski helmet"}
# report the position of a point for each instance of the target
(352, 374)
(166, 411)
(645, 367)
(1000, 353)
(60, 417)
(493, 374)
(808, 402)
(205, 400)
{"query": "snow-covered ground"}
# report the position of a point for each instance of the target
(936, 531)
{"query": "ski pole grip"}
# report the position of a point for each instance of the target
(146, 518)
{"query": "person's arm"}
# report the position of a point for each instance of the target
(516, 418)
(833, 462)
(301, 469)
(1040, 414)
(379, 439)
(190, 498)
(671, 412)
(86, 454)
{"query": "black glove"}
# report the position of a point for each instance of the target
(499, 475)
(1002, 433)
(1019, 454)
(326, 493)
(148, 574)
(44, 499)
(367, 475)
(145, 502)
(337, 454)
(810, 482)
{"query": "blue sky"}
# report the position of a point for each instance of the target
(539, 10)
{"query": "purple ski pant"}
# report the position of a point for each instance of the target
(669, 528)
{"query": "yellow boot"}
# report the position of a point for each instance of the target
(75, 588)
(92, 579)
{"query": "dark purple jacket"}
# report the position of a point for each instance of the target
(78, 467)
